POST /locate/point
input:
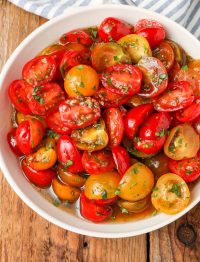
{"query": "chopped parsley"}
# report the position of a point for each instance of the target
(93, 34)
(187, 171)
(82, 84)
(69, 163)
(161, 133)
(176, 190)
(124, 210)
(113, 218)
(80, 67)
(184, 68)
(154, 213)
(135, 170)
(116, 58)
(104, 194)
(56, 203)
(117, 191)
(163, 76)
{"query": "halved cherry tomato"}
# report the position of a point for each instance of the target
(178, 95)
(155, 126)
(149, 146)
(108, 99)
(179, 54)
(39, 70)
(17, 94)
(55, 123)
(20, 117)
(173, 71)
(165, 54)
(91, 211)
(29, 134)
(76, 36)
(97, 162)
(39, 178)
(79, 112)
(105, 202)
(171, 194)
(44, 99)
(11, 138)
(68, 154)
(188, 169)
(108, 54)
(81, 80)
(189, 113)
(134, 118)
(155, 78)
(56, 51)
(122, 159)
(122, 79)
(153, 31)
(137, 100)
(113, 29)
(197, 125)
(114, 126)
(135, 206)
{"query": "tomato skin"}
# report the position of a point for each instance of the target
(149, 146)
(97, 162)
(84, 109)
(122, 79)
(178, 96)
(39, 70)
(174, 70)
(196, 125)
(114, 126)
(56, 51)
(188, 169)
(113, 29)
(91, 211)
(55, 123)
(122, 159)
(11, 138)
(76, 36)
(39, 178)
(17, 94)
(189, 113)
(68, 154)
(105, 202)
(134, 118)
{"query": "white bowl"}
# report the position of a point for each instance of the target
(40, 38)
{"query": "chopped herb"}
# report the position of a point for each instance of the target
(162, 76)
(135, 170)
(79, 39)
(93, 34)
(94, 88)
(49, 145)
(52, 134)
(155, 189)
(69, 163)
(82, 84)
(117, 191)
(116, 58)
(109, 81)
(104, 194)
(56, 203)
(113, 218)
(161, 133)
(184, 68)
(124, 210)
(176, 190)
(188, 171)
(80, 67)
(110, 38)
(154, 213)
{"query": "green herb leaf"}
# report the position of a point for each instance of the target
(117, 191)
(161, 133)
(104, 194)
(56, 202)
(176, 190)
(116, 58)
(124, 210)
(184, 68)
(162, 76)
(154, 213)
(80, 67)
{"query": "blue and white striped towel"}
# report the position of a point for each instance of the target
(185, 12)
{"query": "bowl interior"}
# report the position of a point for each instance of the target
(42, 37)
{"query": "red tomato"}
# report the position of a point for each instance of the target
(122, 79)
(105, 202)
(197, 125)
(108, 99)
(91, 211)
(44, 99)
(123, 111)
(188, 169)
(39, 178)
(189, 113)
(11, 138)
(155, 126)
(149, 146)
(97, 162)
(76, 36)
(29, 134)
(153, 31)
(122, 159)
(174, 70)
(79, 112)
(55, 123)
(134, 118)
(17, 94)
(69, 155)
(113, 29)
(114, 125)
(178, 95)
(39, 70)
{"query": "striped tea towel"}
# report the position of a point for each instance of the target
(184, 12)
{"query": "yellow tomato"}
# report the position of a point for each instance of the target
(136, 206)
(21, 117)
(171, 194)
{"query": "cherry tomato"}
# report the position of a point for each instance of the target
(189, 113)
(68, 155)
(39, 70)
(173, 71)
(105, 202)
(29, 134)
(149, 146)
(135, 206)
(17, 94)
(91, 211)
(178, 96)
(39, 178)
(21, 117)
(171, 194)
(179, 54)
(113, 29)
(79, 112)
(76, 36)
(108, 54)
(122, 79)
(11, 138)
(114, 126)
(197, 125)
(165, 54)
(44, 99)
(56, 51)
(122, 159)
(188, 169)
(155, 78)
(55, 123)
(134, 118)
(153, 31)
(182, 142)
(81, 80)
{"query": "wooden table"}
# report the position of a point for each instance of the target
(26, 237)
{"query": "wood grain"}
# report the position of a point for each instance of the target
(26, 237)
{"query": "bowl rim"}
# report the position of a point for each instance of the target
(3, 166)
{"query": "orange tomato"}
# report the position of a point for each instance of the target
(136, 206)
(20, 117)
